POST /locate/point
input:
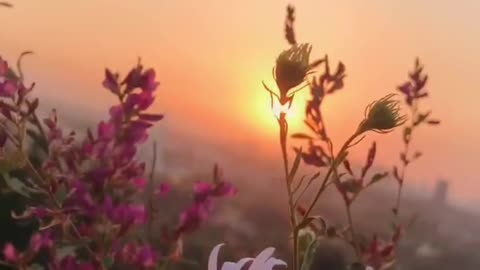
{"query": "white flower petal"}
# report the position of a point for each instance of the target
(258, 263)
(229, 266)
(213, 258)
(243, 261)
(272, 262)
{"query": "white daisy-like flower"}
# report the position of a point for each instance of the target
(264, 261)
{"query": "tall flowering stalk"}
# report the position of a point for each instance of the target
(293, 71)
(414, 90)
(290, 72)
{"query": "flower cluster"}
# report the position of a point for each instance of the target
(415, 88)
(38, 242)
(204, 193)
(90, 187)
(380, 254)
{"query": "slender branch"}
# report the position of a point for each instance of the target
(352, 230)
(150, 203)
(334, 163)
(414, 110)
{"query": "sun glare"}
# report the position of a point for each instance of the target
(278, 108)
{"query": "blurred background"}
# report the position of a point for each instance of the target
(211, 57)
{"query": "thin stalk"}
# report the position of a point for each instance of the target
(333, 165)
(293, 221)
(150, 203)
(348, 203)
(414, 110)
(352, 230)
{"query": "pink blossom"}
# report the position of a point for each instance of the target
(111, 82)
(162, 189)
(3, 67)
(106, 131)
(10, 253)
(8, 88)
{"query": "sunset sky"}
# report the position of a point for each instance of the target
(211, 57)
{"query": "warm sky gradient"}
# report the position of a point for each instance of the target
(211, 57)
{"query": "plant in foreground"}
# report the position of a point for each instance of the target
(381, 116)
(84, 194)
(264, 261)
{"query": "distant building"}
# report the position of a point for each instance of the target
(440, 194)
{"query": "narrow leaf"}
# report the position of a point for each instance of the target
(15, 185)
(347, 166)
(61, 193)
(377, 177)
(407, 133)
(6, 4)
(309, 255)
(396, 174)
(417, 155)
(295, 166)
(421, 118)
(35, 266)
(370, 159)
(404, 158)
(302, 136)
(433, 122)
(64, 251)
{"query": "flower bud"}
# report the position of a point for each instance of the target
(382, 116)
(292, 67)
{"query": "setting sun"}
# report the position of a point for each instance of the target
(278, 108)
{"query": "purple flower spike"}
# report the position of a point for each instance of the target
(147, 82)
(111, 82)
(106, 131)
(3, 67)
(8, 88)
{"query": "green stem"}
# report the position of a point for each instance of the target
(333, 166)
(293, 221)
(414, 110)
(352, 230)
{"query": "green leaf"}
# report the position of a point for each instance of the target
(309, 255)
(107, 262)
(15, 185)
(36, 266)
(61, 193)
(295, 166)
(13, 160)
(38, 140)
(305, 238)
(64, 251)
(11, 75)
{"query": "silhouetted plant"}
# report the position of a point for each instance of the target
(293, 71)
